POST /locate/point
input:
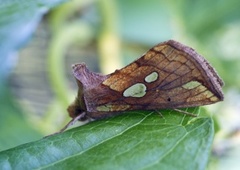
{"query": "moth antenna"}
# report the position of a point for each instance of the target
(184, 112)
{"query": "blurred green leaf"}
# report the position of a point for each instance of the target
(18, 20)
(204, 18)
(135, 140)
(144, 22)
(14, 128)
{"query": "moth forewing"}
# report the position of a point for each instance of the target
(169, 76)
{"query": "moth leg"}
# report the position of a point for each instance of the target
(160, 114)
(72, 122)
(184, 112)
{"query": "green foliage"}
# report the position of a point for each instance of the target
(18, 20)
(203, 18)
(13, 124)
(135, 140)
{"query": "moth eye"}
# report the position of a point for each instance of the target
(78, 110)
(169, 99)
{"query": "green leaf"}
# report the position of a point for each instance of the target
(135, 140)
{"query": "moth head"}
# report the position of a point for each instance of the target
(75, 110)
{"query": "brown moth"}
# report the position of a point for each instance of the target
(169, 76)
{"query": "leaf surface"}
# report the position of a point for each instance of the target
(135, 140)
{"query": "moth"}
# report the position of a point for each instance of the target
(168, 76)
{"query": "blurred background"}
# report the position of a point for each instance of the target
(36, 80)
